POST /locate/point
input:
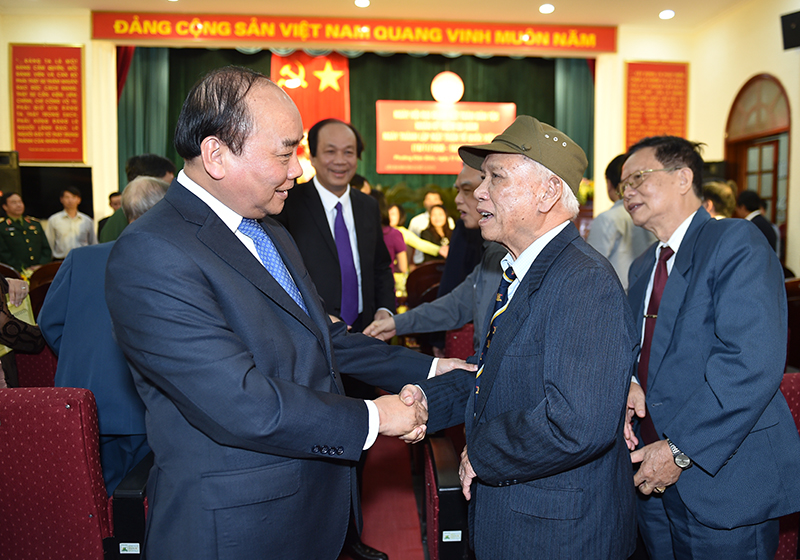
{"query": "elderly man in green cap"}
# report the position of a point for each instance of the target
(546, 467)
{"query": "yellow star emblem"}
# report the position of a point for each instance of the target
(328, 77)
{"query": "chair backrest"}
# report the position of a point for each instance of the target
(44, 274)
(54, 502)
(9, 272)
(458, 343)
(788, 542)
(37, 370)
(421, 279)
(37, 296)
(793, 299)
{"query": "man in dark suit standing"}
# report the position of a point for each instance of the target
(748, 207)
(719, 452)
(75, 323)
(338, 230)
(232, 353)
(545, 468)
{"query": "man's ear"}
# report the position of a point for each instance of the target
(686, 177)
(549, 195)
(213, 154)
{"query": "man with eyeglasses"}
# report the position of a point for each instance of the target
(718, 451)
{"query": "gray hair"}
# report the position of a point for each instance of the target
(568, 200)
(141, 194)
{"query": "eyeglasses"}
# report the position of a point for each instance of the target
(635, 180)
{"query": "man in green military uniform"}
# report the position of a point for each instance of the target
(23, 244)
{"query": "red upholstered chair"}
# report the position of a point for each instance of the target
(37, 370)
(44, 274)
(54, 501)
(788, 545)
(458, 342)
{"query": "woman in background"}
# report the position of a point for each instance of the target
(397, 219)
(438, 231)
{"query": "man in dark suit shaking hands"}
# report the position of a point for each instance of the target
(718, 449)
(546, 468)
(232, 353)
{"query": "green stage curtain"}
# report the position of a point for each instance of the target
(142, 110)
(555, 91)
(575, 103)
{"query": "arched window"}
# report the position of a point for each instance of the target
(757, 144)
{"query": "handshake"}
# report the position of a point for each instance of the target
(405, 415)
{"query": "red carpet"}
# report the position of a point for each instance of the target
(391, 522)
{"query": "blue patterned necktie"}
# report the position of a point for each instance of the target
(272, 259)
(500, 305)
(349, 309)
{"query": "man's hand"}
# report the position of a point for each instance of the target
(383, 329)
(636, 405)
(466, 474)
(411, 395)
(657, 469)
(449, 364)
(397, 418)
(381, 315)
(17, 290)
(444, 250)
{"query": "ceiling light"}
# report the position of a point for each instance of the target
(667, 14)
(362, 3)
(547, 9)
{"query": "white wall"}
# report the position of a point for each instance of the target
(100, 90)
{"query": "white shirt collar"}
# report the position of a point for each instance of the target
(228, 216)
(329, 200)
(523, 263)
(677, 236)
(752, 215)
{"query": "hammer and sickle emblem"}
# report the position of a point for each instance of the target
(291, 79)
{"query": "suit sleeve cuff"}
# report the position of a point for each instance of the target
(374, 424)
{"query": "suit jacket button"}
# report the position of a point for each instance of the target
(324, 449)
(340, 450)
(315, 449)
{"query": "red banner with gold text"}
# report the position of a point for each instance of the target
(656, 100)
(47, 102)
(424, 136)
(356, 33)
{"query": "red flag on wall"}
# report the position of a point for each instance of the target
(319, 86)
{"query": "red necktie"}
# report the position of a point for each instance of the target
(649, 434)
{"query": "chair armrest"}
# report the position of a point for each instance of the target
(130, 509)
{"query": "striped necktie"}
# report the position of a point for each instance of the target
(500, 305)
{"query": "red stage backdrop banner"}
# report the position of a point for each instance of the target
(424, 136)
(402, 35)
(319, 86)
(47, 103)
(657, 94)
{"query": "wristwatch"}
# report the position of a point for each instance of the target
(680, 457)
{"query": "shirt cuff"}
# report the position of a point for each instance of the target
(432, 371)
(634, 380)
(374, 424)
(389, 311)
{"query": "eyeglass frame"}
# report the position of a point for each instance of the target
(623, 185)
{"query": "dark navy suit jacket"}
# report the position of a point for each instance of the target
(716, 364)
(546, 441)
(75, 323)
(254, 440)
(304, 217)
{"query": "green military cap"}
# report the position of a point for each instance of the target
(538, 141)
